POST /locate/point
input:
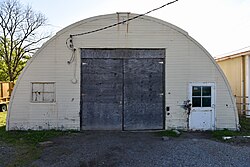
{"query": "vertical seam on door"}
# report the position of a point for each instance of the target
(164, 95)
(123, 93)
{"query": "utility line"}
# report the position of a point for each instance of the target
(70, 45)
(122, 22)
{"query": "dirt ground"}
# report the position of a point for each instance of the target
(7, 154)
(111, 149)
(123, 149)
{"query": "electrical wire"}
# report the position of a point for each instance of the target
(122, 22)
(70, 45)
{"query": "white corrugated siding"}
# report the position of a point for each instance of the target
(186, 61)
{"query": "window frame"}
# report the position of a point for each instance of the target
(201, 96)
(203, 84)
(43, 101)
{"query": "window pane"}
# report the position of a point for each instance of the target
(37, 87)
(206, 102)
(48, 97)
(48, 87)
(37, 96)
(196, 91)
(196, 102)
(206, 91)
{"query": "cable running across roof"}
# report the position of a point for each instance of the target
(124, 21)
(70, 44)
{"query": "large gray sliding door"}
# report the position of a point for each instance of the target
(122, 89)
(143, 94)
(101, 94)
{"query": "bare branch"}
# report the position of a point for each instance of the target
(19, 35)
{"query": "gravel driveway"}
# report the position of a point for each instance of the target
(125, 149)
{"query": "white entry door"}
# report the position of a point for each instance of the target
(202, 114)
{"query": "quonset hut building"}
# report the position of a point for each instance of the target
(140, 75)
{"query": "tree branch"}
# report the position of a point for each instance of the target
(19, 27)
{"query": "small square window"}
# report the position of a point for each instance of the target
(201, 96)
(43, 92)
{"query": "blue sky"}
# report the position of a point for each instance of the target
(221, 26)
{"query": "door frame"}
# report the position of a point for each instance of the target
(203, 109)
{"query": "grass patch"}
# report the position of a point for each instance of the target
(169, 133)
(3, 116)
(26, 143)
(25, 155)
(245, 124)
(27, 137)
(218, 134)
(244, 130)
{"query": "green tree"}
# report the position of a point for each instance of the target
(19, 36)
(3, 73)
(4, 68)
